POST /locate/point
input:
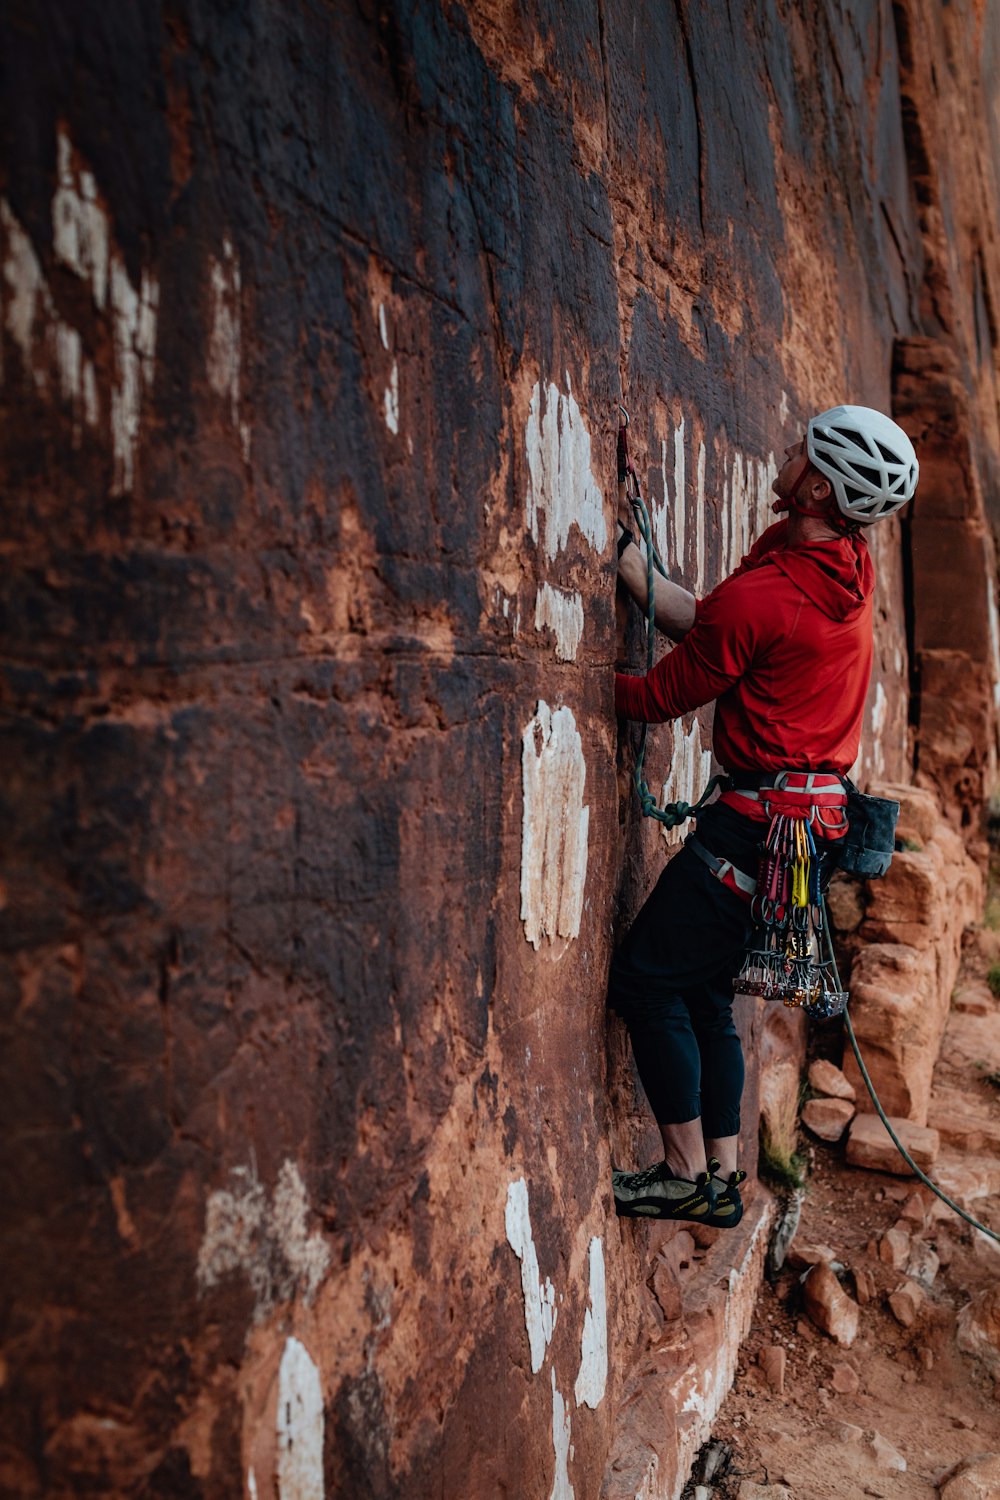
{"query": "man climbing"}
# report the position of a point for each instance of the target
(784, 647)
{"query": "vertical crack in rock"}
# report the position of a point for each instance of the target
(539, 1301)
(300, 1426)
(682, 21)
(562, 1489)
(554, 832)
(561, 482)
(563, 614)
(593, 1376)
(266, 1241)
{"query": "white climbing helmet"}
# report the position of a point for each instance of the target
(868, 459)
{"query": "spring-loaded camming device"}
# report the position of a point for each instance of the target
(785, 961)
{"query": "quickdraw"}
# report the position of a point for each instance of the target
(673, 813)
(786, 959)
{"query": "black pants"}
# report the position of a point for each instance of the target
(672, 978)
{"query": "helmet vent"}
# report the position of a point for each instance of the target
(868, 459)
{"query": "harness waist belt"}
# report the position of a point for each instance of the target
(819, 796)
(815, 786)
(724, 870)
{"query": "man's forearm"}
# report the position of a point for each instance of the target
(674, 607)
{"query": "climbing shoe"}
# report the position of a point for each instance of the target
(728, 1209)
(654, 1194)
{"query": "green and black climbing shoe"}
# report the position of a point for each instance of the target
(728, 1210)
(655, 1194)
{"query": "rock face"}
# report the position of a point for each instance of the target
(907, 955)
(318, 829)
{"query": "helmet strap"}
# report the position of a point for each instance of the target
(831, 513)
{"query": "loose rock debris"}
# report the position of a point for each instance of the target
(907, 1406)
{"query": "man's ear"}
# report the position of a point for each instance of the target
(820, 489)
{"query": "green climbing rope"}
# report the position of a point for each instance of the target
(673, 813)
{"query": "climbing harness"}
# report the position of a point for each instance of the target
(787, 961)
(673, 813)
(724, 870)
(819, 796)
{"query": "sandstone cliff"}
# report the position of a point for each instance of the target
(318, 830)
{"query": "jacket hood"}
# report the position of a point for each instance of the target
(836, 574)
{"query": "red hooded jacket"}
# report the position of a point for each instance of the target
(784, 646)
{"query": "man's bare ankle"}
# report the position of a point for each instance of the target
(685, 1171)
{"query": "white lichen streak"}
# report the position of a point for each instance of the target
(690, 770)
(81, 241)
(554, 830)
(391, 396)
(55, 342)
(880, 709)
(225, 339)
(561, 1487)
(300, 1426)
(699, 522)
(745, 506)
(680, 500)
(251, 1485)
(539, 1301)
(708, 1385)
(264, 1239)
(991, 615)
(562, 613)
(660, 515)
(134, 320)
(561, 484)
(26, 291)
(593, 1376)
(392, 400)
(80, 236)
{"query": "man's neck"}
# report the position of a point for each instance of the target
(805, 529)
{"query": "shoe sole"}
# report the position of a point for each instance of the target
(723, 1220)
(694, 1213)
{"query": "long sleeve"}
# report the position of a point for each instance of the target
(718, 649)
